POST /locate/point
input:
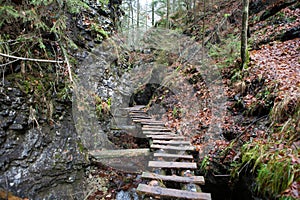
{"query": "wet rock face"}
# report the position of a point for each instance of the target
(42, 156)
(37, 162)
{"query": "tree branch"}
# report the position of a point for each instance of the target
(2, 65)
(31, 59)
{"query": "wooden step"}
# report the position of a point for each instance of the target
(145, 123)
(144, 120)
(149, 132)
(153, 121)
(166, 137)
(150, 126)
(101, 154)
(137, 111)
(126, 127)
(173, 142)
(178, 194)
(159, 133)
(170, 147)
(155, 129)
(139, 117)
(133, 108)
(181, 179)
(155, 126)
(175, 165)
(169, 155)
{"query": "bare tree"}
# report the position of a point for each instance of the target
(203, 27)
(244, 39)
(138, 10)
(168, 14)
(152, 11)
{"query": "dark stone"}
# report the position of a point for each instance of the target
(21, 119)
(59, 109)
(16, 127)
(290, 34)
(2, 134)
(4, 123)
(91, 44)
(4, 113)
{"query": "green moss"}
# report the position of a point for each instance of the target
(271, 162)
(226, 52)
(80, 147)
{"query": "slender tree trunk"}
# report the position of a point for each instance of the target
(173, 6)
(203, 30)
(244, 46)
(138, 14)
(152, 12)
(168, 14)
(131, 10)
(131, 29)
(194, 11)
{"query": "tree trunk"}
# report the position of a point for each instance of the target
(244, 46)
(138, 14)
(152, 12)
(203, 31)
(173, 6)
(131, 11)
(194, 11)
(168, 14)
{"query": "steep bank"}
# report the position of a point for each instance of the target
(260, 149)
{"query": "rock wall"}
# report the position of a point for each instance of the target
(41, 153)
(38, 159)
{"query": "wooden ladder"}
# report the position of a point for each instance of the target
(171, 154)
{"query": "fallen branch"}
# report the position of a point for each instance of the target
(30, 59)
(3, 65)
(67, 61)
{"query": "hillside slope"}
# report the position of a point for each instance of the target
(260, 148)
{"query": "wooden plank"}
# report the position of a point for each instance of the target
(137, 111)
(139, 117)
(169, 155)
(155, 129)
(160, 133)
(173, 142)
(133, 108)
(170, 147)
(126, 127)
(181, 179)
(178, 194)
(177, 165)
(152, 123)
(166, 137)
(101, 154)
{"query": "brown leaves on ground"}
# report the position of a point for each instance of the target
(279, 64)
